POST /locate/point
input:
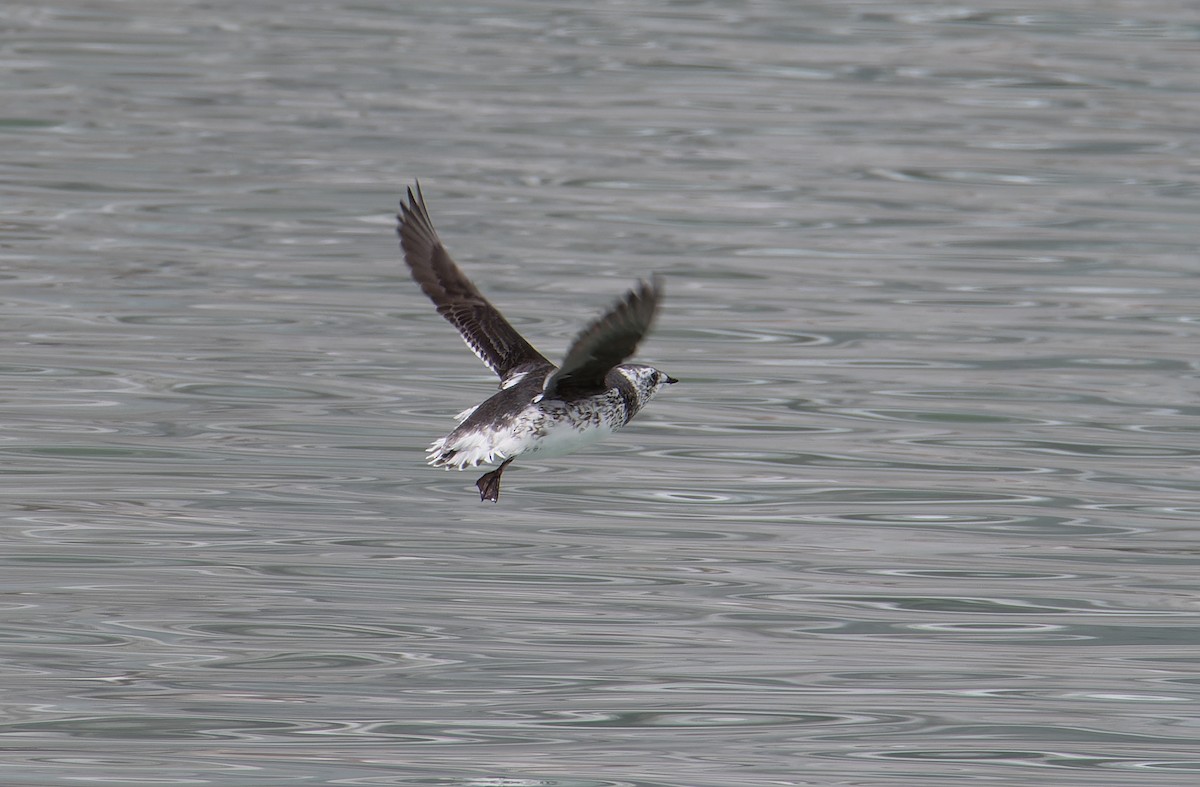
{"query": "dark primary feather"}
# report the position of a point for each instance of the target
(482, 326)
(607, 342)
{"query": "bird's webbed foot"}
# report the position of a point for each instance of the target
(489, 483)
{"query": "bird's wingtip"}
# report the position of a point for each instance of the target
(415, 197)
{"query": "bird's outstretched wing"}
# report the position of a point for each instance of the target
(605, 343)
(482, 326)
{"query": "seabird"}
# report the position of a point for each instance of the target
(540, 408)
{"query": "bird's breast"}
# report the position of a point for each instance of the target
(557, 427)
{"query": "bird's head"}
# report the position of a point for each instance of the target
(647, 380)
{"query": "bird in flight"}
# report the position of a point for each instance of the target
(540, 408)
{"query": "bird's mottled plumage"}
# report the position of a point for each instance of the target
(540, 408)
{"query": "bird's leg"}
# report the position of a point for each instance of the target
(489, 483)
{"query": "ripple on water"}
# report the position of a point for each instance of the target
(1002, 394)
(1091, 450)
(251, 391)
(20, 370)
(798, 459)
(311, 664)
(1103, 759)
(1015, 524)
(752, 336)
(707, 718)
(157, 728)
(937, 416)
(203, 320)
(984, 574)
(35, 635)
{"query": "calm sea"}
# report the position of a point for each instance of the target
(923, 510)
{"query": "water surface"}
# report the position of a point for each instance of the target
(923, 510)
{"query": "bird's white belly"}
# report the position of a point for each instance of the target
(558, 438)
(536, 430)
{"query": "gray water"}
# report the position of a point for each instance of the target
(923, 510)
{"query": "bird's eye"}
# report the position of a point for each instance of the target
(654, 378)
